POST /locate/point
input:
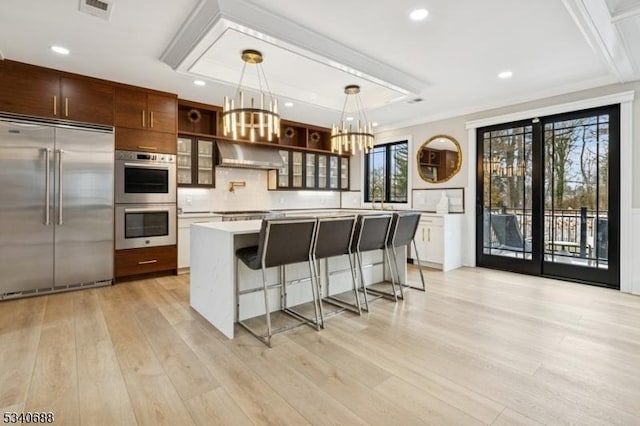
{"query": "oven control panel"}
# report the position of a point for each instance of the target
(145, 156)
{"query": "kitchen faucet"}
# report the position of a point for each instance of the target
(373, 202)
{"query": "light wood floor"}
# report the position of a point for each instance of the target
(480, 347)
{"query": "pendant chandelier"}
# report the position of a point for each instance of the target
(259, 120)
(345, 138)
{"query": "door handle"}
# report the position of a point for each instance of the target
(66, 107)
(47, 191)
(422, 234)
(147, 262)
(60, 208)
(151, 148)
(55, 105)
(151, 119)
(143, 118)
(429, 234)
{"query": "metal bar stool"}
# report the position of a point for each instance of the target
(403, 231)
(281, 242)
(334, 237)
(372, 232)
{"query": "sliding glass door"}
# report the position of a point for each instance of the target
(547, 196)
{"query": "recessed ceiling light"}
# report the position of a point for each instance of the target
(199, 82)
(374, 124)
(349, 118)
(61, 50)
(418, 14)
(288, 104)
(505, 74)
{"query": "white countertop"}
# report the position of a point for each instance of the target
(196, 215)
(233, 227)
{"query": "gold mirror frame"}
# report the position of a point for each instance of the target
(424, 167)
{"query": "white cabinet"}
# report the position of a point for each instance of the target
(184, 237)
(439, 241)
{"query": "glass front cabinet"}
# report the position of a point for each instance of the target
(310, 170)
(344, 173)
(195, 162)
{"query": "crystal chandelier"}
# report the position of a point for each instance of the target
(259, 120)
(346, 138)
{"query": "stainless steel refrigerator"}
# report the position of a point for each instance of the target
(56, 207)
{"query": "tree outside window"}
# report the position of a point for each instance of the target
(386, 173)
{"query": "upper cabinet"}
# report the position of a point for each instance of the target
(145, 121)
(310, 170)
(301, 135)
(41, 92)
(86, 100)
(138, 109)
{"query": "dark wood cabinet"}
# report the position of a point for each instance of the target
(42, 92)
(145, 260)
(86, 101)
(196, 162)
(137, 109)
(145, 121)
(131, 109)
(302, 135)
(196, 119)
(163, 113)
(143, 140)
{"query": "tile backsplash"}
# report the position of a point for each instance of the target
(253, 196)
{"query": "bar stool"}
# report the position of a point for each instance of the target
(281, 242)
(334, 236)
(403, 231)
(372, 232)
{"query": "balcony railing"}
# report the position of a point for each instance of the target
(582, 231)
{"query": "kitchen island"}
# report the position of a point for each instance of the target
(213, 274)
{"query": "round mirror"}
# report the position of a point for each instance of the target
(439, 159)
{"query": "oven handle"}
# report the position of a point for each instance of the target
(147, 166)
(146, 210)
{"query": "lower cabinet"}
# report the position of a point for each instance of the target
(145, 260)
(439, 241)
(184, 239)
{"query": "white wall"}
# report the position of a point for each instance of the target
(253, 196)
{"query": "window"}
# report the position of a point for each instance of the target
(385, 170)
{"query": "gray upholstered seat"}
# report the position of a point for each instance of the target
(372, 233)
(403, 231)
(281, 242)
(334, 236)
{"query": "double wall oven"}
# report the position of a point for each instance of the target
(145, 199)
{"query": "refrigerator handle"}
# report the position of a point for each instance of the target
(60, 186)
(47, 191)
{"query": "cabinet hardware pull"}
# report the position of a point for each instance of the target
(143, 118)
(151, 119)
(422, 234)
(153, 148)
(147, 262)
(429, 234)
(66, 107)
(55, 105)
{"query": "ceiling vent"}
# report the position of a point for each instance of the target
(98, 8)
(415, 100)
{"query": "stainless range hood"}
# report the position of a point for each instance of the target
(247, 156)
